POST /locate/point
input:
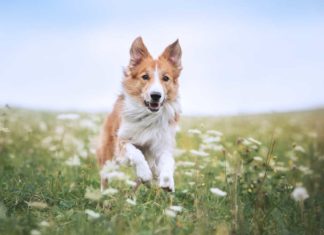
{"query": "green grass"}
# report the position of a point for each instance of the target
(34, 147)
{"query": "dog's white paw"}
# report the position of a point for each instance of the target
(144, 173)
(166, 182)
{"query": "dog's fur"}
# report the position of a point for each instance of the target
(141, 130)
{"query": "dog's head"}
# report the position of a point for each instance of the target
(153, 82)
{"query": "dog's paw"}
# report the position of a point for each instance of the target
(166, 182)
(144, 173)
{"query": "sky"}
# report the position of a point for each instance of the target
(238, 56)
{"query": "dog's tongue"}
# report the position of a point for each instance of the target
(154, 105)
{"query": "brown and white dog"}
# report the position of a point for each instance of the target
(141, 128)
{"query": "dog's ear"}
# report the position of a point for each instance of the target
(173, 54)
(138, 52)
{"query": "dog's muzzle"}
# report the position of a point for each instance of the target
(153, 106)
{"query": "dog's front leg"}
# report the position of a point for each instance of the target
(135, 157)
(166, 170)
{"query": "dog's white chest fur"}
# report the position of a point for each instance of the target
(146, 129)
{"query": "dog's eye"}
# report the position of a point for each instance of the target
(165, 78)
(145, 77)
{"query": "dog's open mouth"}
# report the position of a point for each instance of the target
(152, 106)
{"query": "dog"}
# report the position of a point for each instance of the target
(140, 130)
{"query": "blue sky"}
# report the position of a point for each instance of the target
(238, 56)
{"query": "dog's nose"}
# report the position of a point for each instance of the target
(155, 96)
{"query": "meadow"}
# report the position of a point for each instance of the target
(249, 174)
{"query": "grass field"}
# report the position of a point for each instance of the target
(49, 182)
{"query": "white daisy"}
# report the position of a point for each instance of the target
(218, 192)
(73, 161)
(185, 163)
(198, 153)
(37, 205)
(176, 208)
(194, 132)
(254, 141)
(258, 159)
(299, 194)
(131, 201)
(299, 148)
(131, 183)
(68, 116)
(109, 191)
(170, 213)
(93, 194)
(35, 232)
(214, 132)
(92, 214)
(44, 223)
